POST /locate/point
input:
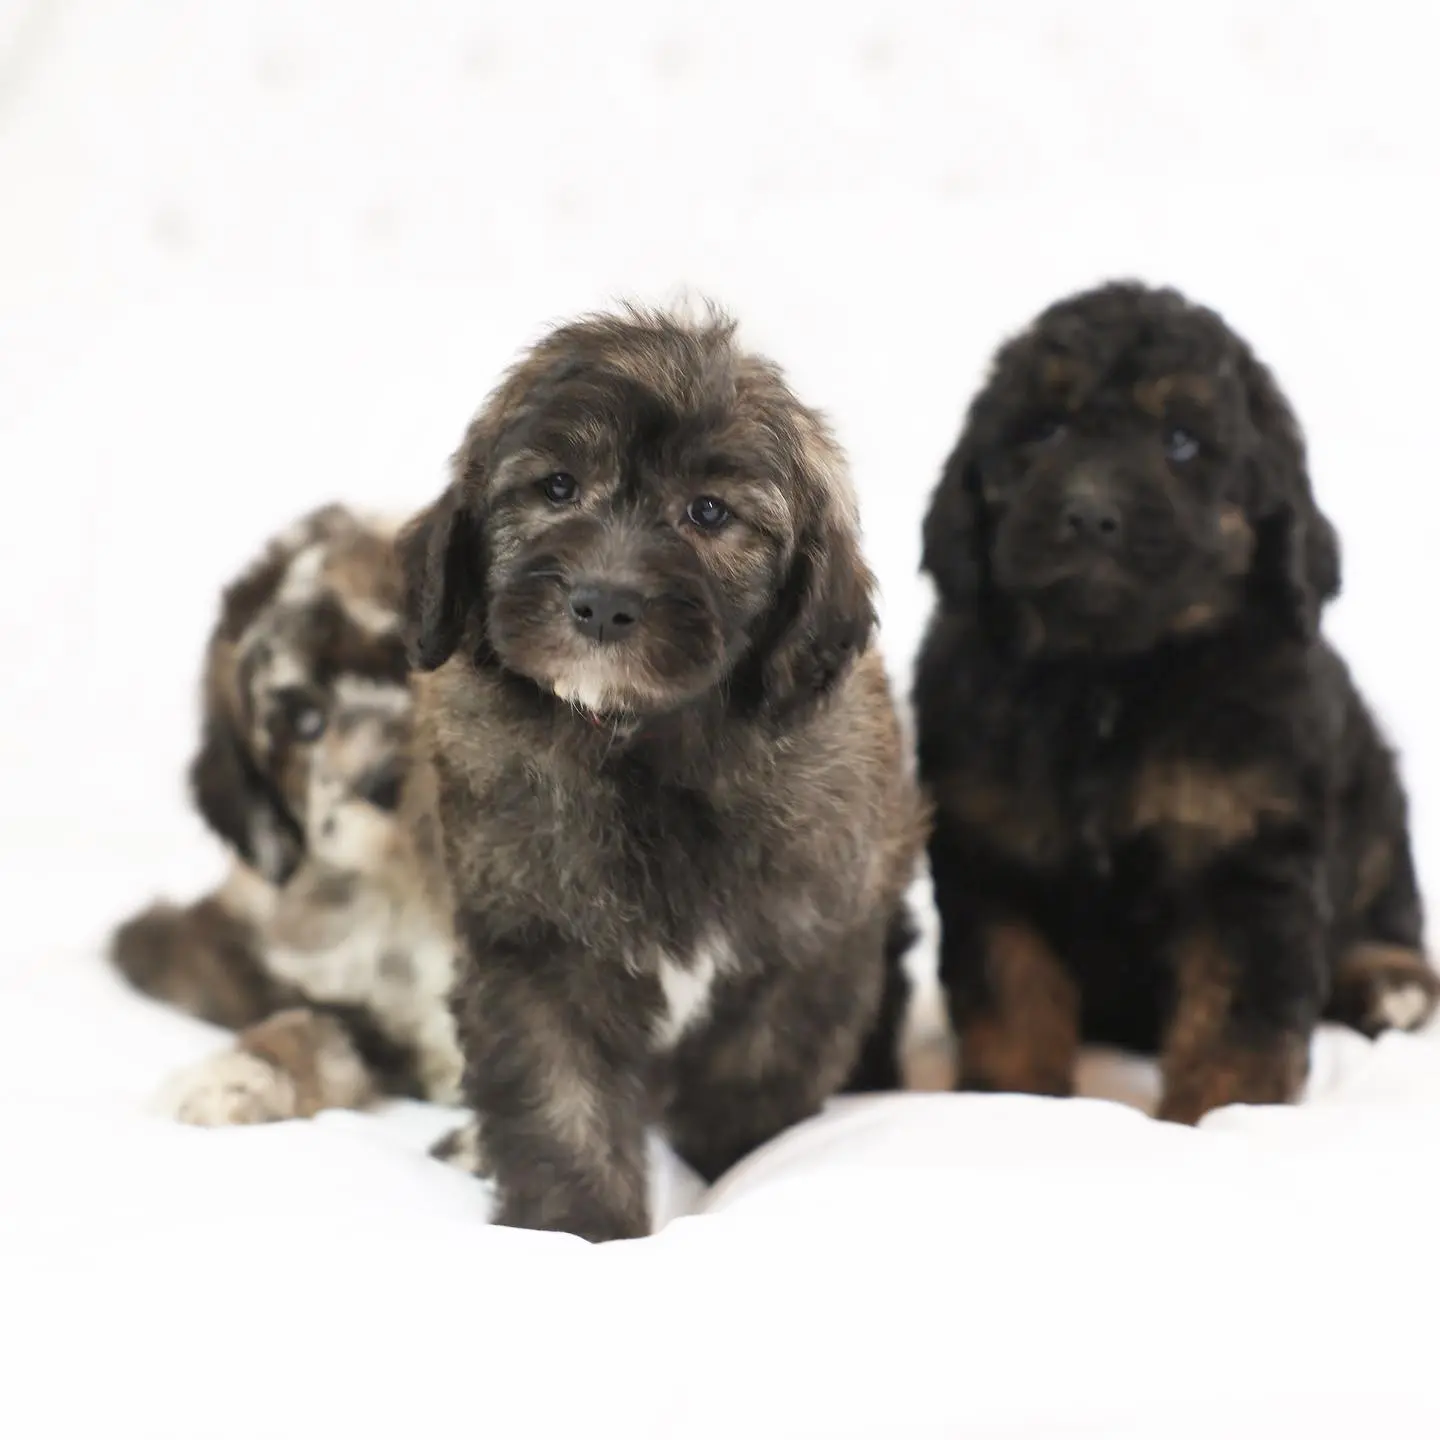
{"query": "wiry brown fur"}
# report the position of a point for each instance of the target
(321, 948)
(677, 860)
(1143, 754)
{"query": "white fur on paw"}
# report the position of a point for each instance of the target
(1404, 1007)
(232, 1088)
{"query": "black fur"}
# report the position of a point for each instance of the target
(1165, 818)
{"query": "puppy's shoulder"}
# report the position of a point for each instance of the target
(859, 726)
(458, 719)
(860, 747)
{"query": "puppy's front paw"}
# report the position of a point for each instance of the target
(461, 1148)
(232, 1088)
(1384, 987)
(1226, 1074)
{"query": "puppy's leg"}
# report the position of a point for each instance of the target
(561, 1112)
(1379, 987)
(1017, 1017)
(787, 1050)
(460, 1147)
(1249, 983)
(879, 1066)
(1383, 979)
(290, 1066)
(1013, 1003)
(205, 959)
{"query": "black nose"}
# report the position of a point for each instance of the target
(605, 612)
(1092, 517)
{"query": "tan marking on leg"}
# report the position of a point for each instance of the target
(1202, 1066)
(1028, 1041)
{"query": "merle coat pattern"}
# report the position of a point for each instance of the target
(322, 948)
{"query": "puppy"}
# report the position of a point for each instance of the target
(1165, 818)
(674, 810)
(323, 947)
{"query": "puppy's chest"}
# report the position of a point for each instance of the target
(688, 983)
(1107, 788)
(617, 838)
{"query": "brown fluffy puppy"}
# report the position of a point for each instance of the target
(321, 947)
(674, 809)
(1165, 817)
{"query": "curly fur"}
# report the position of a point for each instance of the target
(1165, 817)
(675, 856)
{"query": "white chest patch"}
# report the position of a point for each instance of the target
(687, 989)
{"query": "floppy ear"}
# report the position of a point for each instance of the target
(1297, 553)
(821, 621)
(237, 802)
(442, 570)
(954, 538)
(956, 547)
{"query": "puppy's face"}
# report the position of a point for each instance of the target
(633, 542)
(307, 705)
(639, 514)
(1130, 474)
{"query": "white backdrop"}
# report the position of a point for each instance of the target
(254, 256)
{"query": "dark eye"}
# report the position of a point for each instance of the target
(308, 723)
(1180, 446)
(298, 716)
(1045, 431)
(560, 488)
(707, 513)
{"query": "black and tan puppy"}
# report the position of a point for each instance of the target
(674, 808)
(322, 947)
(1165, 818)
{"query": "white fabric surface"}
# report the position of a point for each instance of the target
(919, 1265)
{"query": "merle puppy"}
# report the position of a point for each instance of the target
(665, 779)
(1166, 819)
(323, 948)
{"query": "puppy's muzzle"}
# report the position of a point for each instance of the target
(605, 613)
(1090, 516)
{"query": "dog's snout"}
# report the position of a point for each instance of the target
(1090, 515)
(605, 612)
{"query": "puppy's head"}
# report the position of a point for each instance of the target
(643, 513)
(306, 703)
(1129, 473)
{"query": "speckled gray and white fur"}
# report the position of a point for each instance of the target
(323, 947)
